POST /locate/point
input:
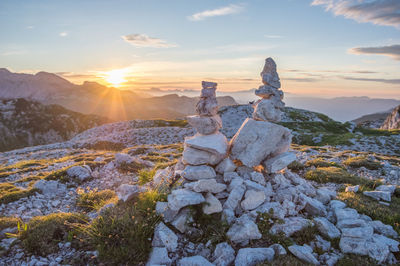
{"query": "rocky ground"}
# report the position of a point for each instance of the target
(92, 200)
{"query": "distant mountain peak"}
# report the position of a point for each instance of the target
(4, 70)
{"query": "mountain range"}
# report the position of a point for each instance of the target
(94, 98)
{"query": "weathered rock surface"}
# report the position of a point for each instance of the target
(194, 261)
(80, 172)
(223, 255)
(252, 256)
(256, 140)
(290, 225)
(165, 237)
(279, 162)
(198, 172)
(159, 256)
(212, 204)
(304, 253)
(269, 75)
(326, 228)
(180, 198)
(393, 120)
(205, 125)
(126, 192)
(253, 199)
(243, 230)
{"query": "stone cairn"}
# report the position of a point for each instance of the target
(228, 178)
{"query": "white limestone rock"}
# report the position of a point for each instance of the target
(278, 212)
(258, 177)
(223, 255)
(165, 237)
(358, 232)
(198, 172)
(378, 195)
(266, 92)
(383, 229)
(80, 172)
(352, 188)
(236, 181)
(290, 225)
(326, 228)
(215, 144)
(194, 156)
(50, 187)
(229, 176)
(180, 198)
(212, 204)
(269, 75)
(194, 261)
(253, 199)
(304, 253)
(126, 192)
(253, 256)
(243, 230)
(277, 163)
(205, 125)
(388, 188)
(207, 185)
(325, 195)
(228, 216)
(345, 213)
(279, 249)
(337, 204)
(227, 165)
(164, 211)
(268, 110)
(234, 197)
(314, 207)
(182, 219)
(207, 106)
(159, 256)
(256, 140)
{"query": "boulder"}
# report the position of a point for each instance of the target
(194, 156)
(182, 219)
(159, 256)
(256, 140)
(165, 212)
(227, 165)
(164, 237)
(279, 162)
(80, 172)
(325, 195)
(314, 207)
(388, 188)
(353, 245)
(207, 185)
(378, 195)
(258, 177)
(267, 110)
(216, 144)
(383, 229)
(253, 199)
(223, 255)
(126, 192)
(212, 204)
(269, 75)
(358, 232)
(207, 106)
(180, 198)
(198, 172)
(234, 197)
(304, 253)
(194, 261)
(278, 212)
(290, 226)
(205, 125)
(50, 187)
(326, 228)
(345, 213)
(266, 91)
(243, 230)
(253, 256)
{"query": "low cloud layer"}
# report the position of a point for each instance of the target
(142, 40)
(380, 12)
(222, 11)
(391, 50)
(388, 81)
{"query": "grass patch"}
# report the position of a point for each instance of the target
(372, 208)
(106, 146)
(352, 259)
(305, 235)
(319, 162)
(10, 193)
(94, 200)
(124, 232)
(296, 166)
(146, 176)
(59, 175)
(340, 176)
(361, 161)
(132, 167)
(377, 132)
(170, 123)
(285, 260)
(7, 222)
(155, 158)
(45, 232)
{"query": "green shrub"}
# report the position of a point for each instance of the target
(45, 232)
(361, 161)
(123, 233)
(296, 166)
(94, 200)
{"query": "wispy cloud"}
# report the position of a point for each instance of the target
(14, 52)
(222, 11)
(63, 34)
(390, 50)
(389, 81)
(302, 79)
(380, 12)
(142, 40)
(273, 36)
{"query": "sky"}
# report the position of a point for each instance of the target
(323, 48)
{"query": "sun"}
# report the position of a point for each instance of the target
(115, 77)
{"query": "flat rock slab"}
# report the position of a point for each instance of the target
(212, 204)
(194, 261)
(290, 226)
(165, 237)
(378, 195)
(180, 198)
(205, 125)
(253, 256)
(304, 253)
(256, 140)
(279, 162)
(215, 143)
(198, 172)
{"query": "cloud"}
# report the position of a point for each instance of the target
(63, 34)
(222, 11)
(391, 51)
(379, 12)
(302, 79)
(142, 40)
(388, 81)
